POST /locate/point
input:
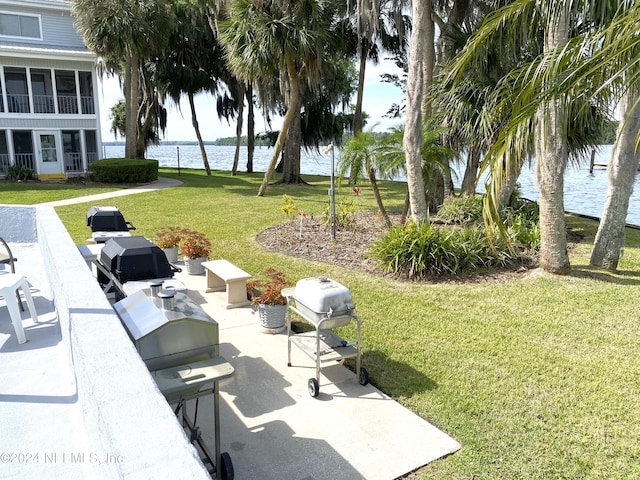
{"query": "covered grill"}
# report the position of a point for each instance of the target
(135, 258)
(179, 344)
(107, 219)
(325, 304)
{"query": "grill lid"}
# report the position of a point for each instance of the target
(135, 258)
(107, 219)
(322, 295)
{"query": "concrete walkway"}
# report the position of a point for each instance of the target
(161, 183)
(273, 429)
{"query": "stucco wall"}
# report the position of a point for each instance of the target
(124, 413)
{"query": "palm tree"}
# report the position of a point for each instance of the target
(191, 63)
(359, 156)
(277, 39)
(419, 80)
(131, 31)
(528, 95)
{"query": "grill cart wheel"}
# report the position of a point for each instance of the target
(314, 388)
(226, 467)
(363, 378)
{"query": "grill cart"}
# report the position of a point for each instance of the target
(325, 304)
(179, 344)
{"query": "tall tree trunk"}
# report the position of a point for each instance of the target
(291, 157)
(470, 178)
(251, 135)
(357, 114)
(236, 155)
(132, 95)
(413, 116)
(622, 168)
(551, 162)
(507, 188)
(196, 127)
(376, 194)
(294, 101)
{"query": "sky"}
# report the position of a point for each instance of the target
(378, 97)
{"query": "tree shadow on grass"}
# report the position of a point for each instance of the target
(620, 277)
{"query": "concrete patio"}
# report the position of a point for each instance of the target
(77, 401)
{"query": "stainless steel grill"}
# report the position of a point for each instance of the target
(325, 304)
(179, 343)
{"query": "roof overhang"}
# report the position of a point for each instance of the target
(47, 53)
(43, 4)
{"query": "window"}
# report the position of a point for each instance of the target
(4, 153)
(26, 26)
(42, 91)
(91, 144)
(66, 89)
(17, 89)
(85, 81)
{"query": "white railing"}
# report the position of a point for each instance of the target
(4, 163)
(19, 103)
(67, 104)
(73, 162)
(91, 157)
(43, 104)
(88, 107)
(25, 159)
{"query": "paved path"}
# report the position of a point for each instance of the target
(162, 182)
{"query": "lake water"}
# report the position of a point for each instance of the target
(584, 192)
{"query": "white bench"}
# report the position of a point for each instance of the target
(223, 275)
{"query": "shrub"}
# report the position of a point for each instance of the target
(345, 214)
(17, 173)
(462, 209)
(124, 170)
(422, 250)
(269, 291)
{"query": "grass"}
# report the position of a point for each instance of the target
(536, 378)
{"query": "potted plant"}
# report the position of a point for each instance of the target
(195, 248)
(168, 239)
(267, 298)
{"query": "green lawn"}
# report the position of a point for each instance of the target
(536, 378)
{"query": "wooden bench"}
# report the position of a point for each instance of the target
(223, 275)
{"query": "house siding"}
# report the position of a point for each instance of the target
(58, 29)
(47, 124)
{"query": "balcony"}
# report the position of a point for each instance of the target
(67, 104)
(44, 104)
(18, 103)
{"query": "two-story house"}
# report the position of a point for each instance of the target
(49, 112)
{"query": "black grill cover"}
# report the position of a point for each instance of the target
(107, 219)
(135, 258)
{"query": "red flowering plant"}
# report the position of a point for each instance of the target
(194, 244)
(168, 237)
(268, 291)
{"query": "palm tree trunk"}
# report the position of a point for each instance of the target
(470, 177)
(378, 197)
(413, 122)
(196, 127)
(357, 114)
(294, 101)
(291, 158)
(236, 155)
(132, 85)
(551, 161)
(251, 140)
(622, 168)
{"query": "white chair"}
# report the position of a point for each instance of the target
(9, 285)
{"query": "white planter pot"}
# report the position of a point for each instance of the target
(172, 254)
(194, 265)
(272, 316)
